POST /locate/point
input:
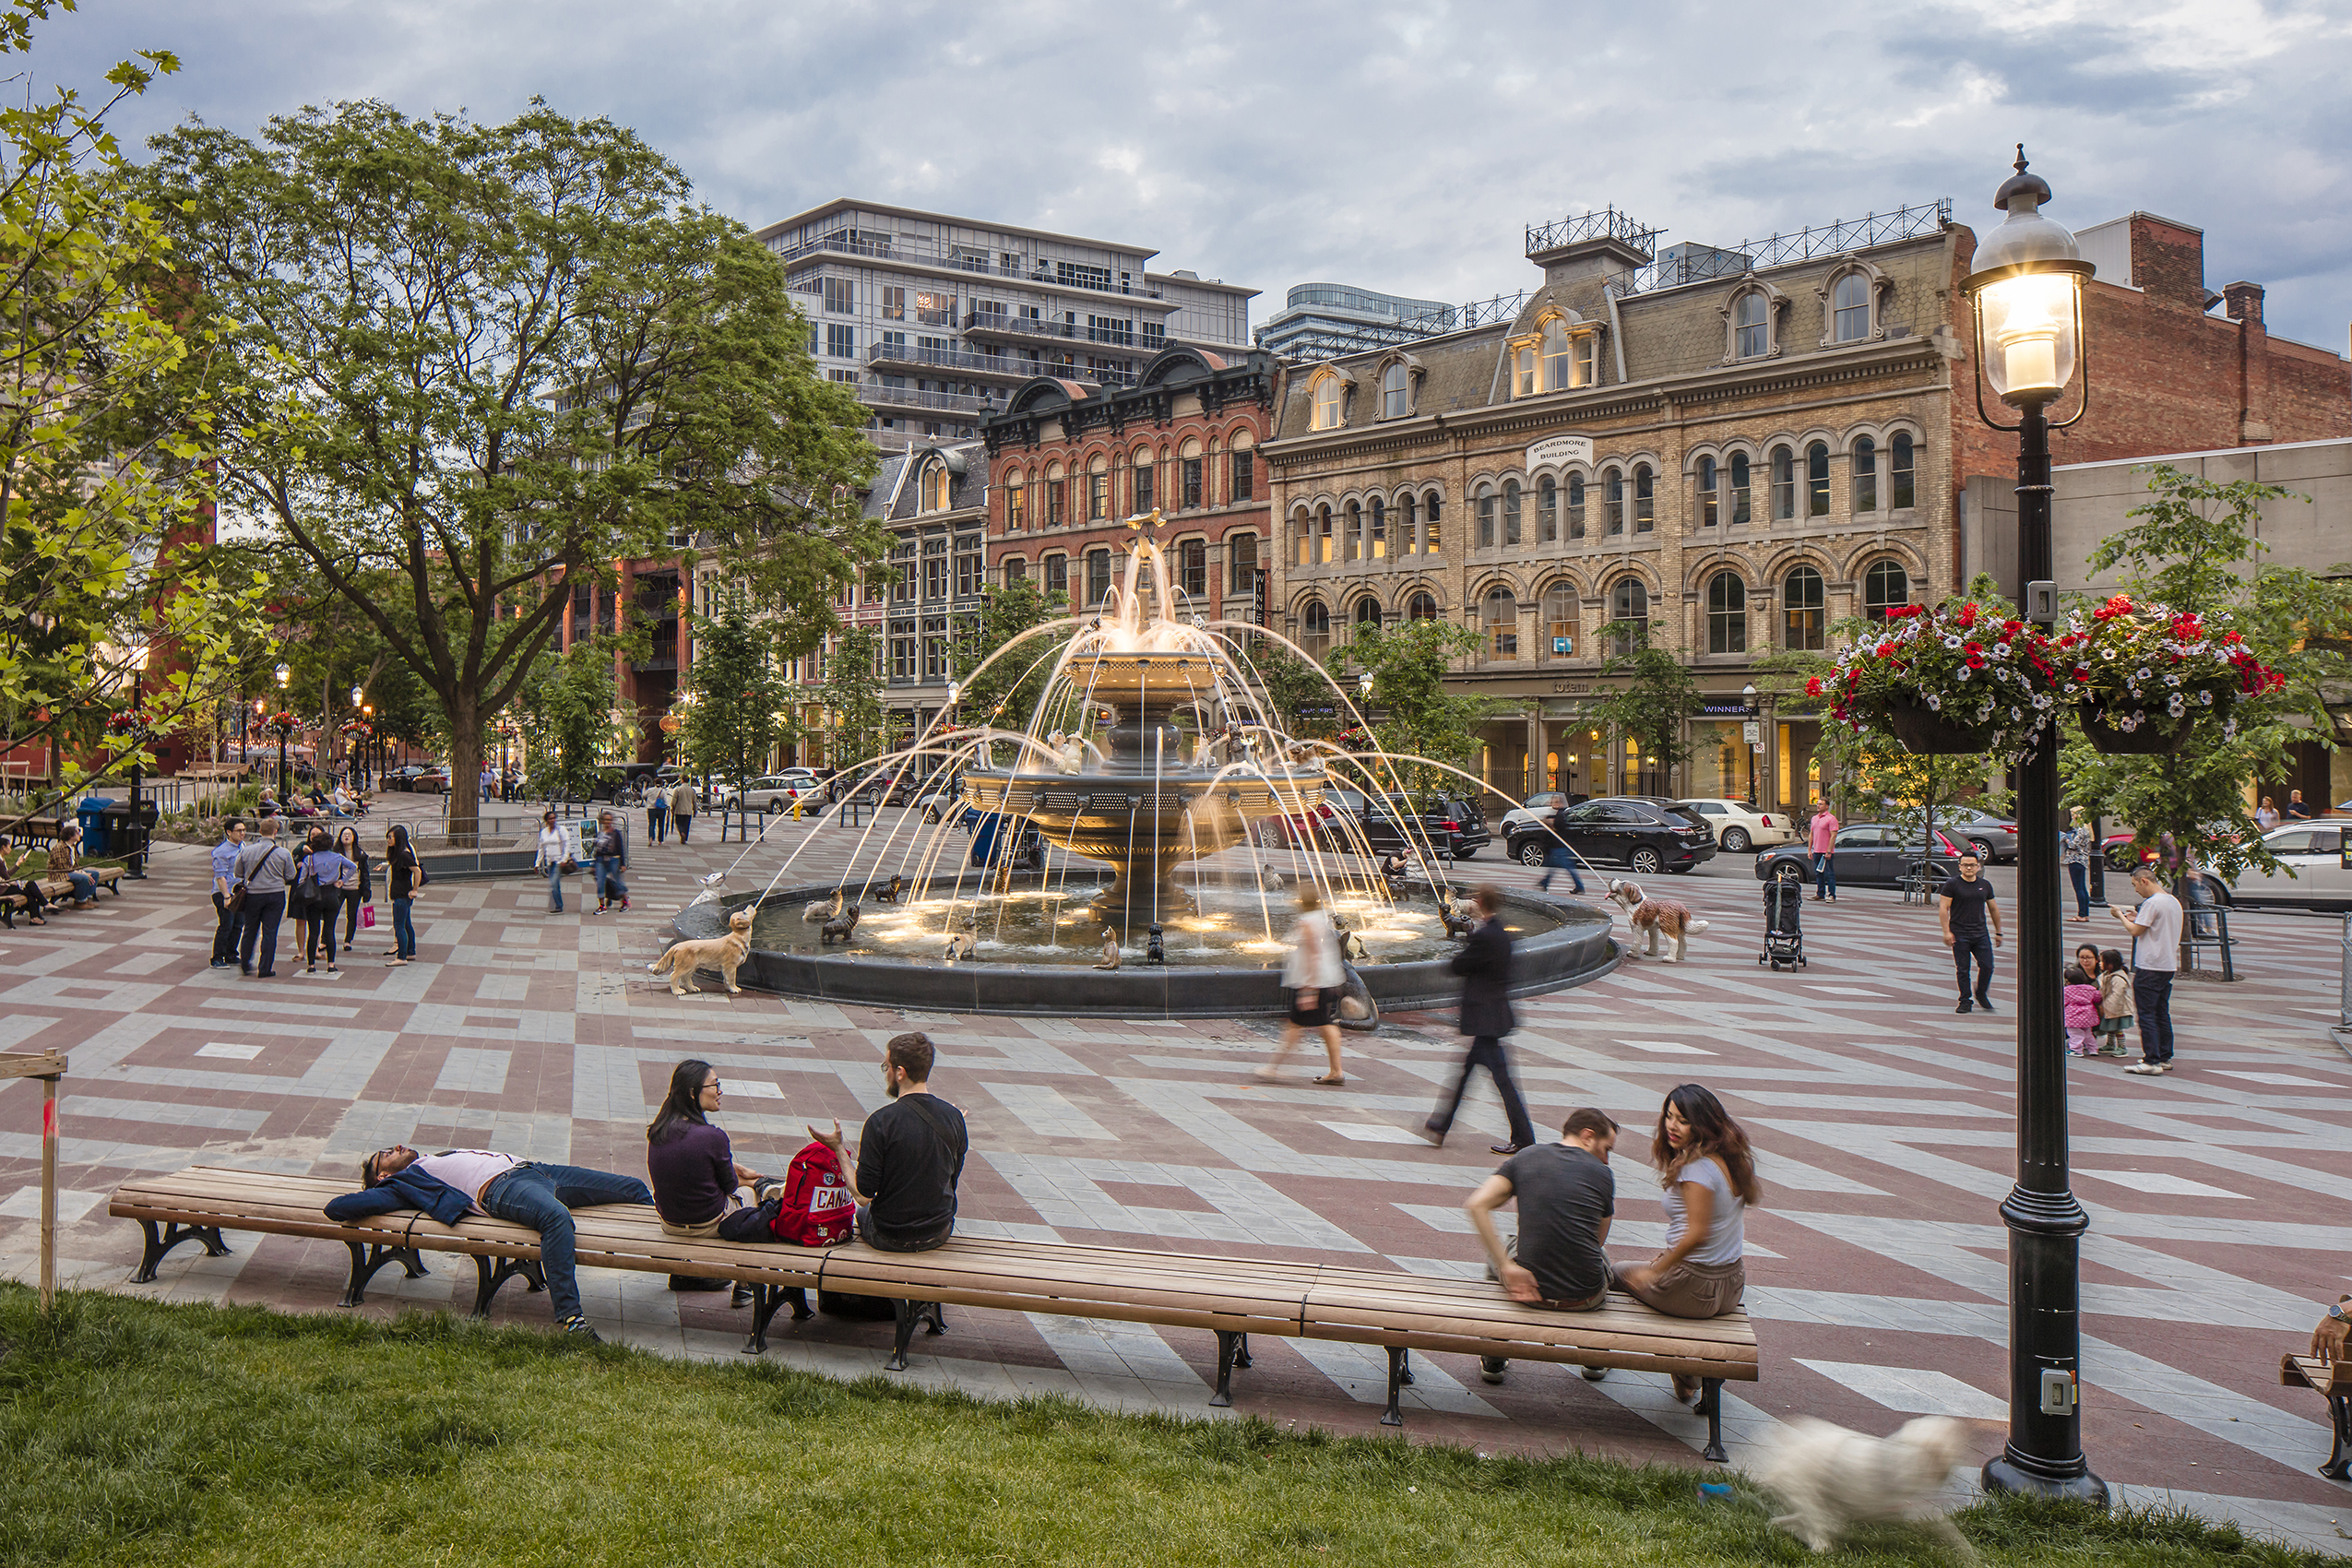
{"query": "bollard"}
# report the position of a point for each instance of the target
(2342, 1032)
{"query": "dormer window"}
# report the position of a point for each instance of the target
(1850, 298)
(1523, 370)
(1393, 395)
(1748, 328)
(1555, 353)
(1558, 357)
(1330, 400)
(935, 488)
(1852, 306)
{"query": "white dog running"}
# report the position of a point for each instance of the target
(1833, 1479)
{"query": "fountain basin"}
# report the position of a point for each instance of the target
(1563, 943)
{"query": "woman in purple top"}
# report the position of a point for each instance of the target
(335, 874)
(696, 1183)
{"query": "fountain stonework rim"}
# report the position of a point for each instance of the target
(1578, 947)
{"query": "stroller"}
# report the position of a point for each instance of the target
(1784, 938)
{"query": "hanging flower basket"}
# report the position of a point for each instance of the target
(2146, 676)
(1955, 680)
(282, 723)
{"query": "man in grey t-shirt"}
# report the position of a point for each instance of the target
(2155, 960)
(1567, 1199)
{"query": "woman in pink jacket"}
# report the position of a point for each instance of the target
(1825, 826)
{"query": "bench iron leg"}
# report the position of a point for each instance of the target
(910, 1313)
(1228, 1354)
(2339, 1460)
(1398, 1376)
(766, 1300)
(1711, 1403)
(159, 1243)
(489, 1277)
(367, 1257)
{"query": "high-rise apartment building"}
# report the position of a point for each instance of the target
(933, 320)
(1322, 321)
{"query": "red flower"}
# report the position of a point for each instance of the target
(2119, 605)
(1813, 687)
(1968, 616)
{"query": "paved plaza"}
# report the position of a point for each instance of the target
(1877, 1267)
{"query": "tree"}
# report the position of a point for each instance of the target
(2194, 548)
(491, 362)
(1299, 698)
(1007, 692)
(1416, 716)
(732, 722)
(1658, 700)
(566, 714)
(107, 597)
(851, 696)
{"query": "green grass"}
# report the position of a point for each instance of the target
(134, 1433)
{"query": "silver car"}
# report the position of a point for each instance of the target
(2311, 872)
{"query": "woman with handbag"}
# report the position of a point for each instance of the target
(1313, 979)
(347, 844)
(554, 860)
(401, 867)
(320, 878)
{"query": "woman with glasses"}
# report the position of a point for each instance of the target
(698, 1190)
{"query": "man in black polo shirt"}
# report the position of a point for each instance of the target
(1567, 1199)
(904, 1173)
(1971, 929)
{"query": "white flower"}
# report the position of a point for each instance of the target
(2206, 697)
(2176, 705)
(2141, 674)
(1963, 672)
(1935, 703)
(2016, 713)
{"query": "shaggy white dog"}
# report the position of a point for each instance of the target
(1833, 1479)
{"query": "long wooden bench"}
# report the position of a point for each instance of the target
(57, 889)
(1231, 1298)
(2333, 1381)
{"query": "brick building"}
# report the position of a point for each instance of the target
(1734, 446)
(1069, 461)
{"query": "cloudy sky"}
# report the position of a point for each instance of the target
(1400, 147)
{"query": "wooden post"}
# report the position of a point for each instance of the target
(48, 1066)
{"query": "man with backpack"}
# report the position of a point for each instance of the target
(912, 1155)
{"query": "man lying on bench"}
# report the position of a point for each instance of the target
(457, 1183)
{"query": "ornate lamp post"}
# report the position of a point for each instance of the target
(285, 675)
(134, 859)
(1748, 701)
(2026, 293)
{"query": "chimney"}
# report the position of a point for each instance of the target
(2168, 261)
(2245, 302)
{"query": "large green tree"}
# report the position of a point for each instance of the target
(851, 696)
(494, 360)
(1007, 692)
(2195, 546)
(565, 712)
(732, 723)
(1655, 704)
(1413, 713)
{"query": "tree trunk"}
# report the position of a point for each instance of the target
(465, 765)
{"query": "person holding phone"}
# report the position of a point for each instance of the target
(2154, 926)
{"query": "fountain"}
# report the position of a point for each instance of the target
(1150, 753)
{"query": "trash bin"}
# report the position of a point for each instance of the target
(122, 833)
(92, 813)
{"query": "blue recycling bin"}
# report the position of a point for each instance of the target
(92, 813)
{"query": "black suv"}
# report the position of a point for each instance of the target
(1643, 835)
(1450, 825)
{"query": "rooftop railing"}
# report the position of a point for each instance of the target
(906, 248)
(1708, 262)
(1606, 224)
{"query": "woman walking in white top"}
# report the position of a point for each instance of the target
(1710, 1178)
(1314, 980)
(554, 854)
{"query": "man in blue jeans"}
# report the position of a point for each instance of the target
(457, 1183)
(1971, 929)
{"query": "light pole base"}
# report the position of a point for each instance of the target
(2013, 1472)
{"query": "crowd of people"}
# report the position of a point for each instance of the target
(325, 881)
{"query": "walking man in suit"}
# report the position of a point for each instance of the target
(1484, 964)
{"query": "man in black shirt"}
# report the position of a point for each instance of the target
(1965, 905)
(1567, 1199)
(904, 1175)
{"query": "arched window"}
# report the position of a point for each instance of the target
(1486, 520)
(1408, 527)
(1191, 488)
(1501, 623)
(1324, 553)
(1851, 303)
(1547, 510)
(1900, 479)
(1097, 489)
(1098, 576)
(1057, 574)
(1748, 335)
(1706, 492)
(1355, 532)
(1575, 505)
(1015, 570)
(1367, 612)
(1376, 542)
(1314, 628)
(1056, 497)
(1303, 540)
(1560, 620)
(935, 488)
(1645, 499)
(1629, 605)
(1511, 514)
(1431, 506)
(1327, 392)
(1726, 613)
(1865, 474)
(1784, 485)
(1017, 503)
(1817, 481)
(1613, 483)
(1803, 605)
(1392, 391)
(1555, 356)
(1144, 489)
(1423, 608)
(1884, 586)
(1523, 371)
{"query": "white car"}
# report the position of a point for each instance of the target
(1739, 827)
(1535, 811)
(775, 792)
(2312, 873)
(937, 802)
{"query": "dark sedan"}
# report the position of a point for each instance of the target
(1642, 835)
(1868, 854)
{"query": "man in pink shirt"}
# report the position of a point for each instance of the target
(1825, 826)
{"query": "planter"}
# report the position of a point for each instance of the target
(1926, 733)
(2158, 734)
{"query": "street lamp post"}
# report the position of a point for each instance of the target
(134, 859)
(1748, 701)
(2026, 295)
(285, 789)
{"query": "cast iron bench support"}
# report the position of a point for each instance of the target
(159, 1243)
(766, 1300)
(911, 1312)
(1400, 1376)
(369, 1256)
(1232, 1350)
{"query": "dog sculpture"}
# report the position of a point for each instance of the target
(1831, 1479)
(724, 954)
(844, 927)
(823, 909)
(888, 892)
(1653, 916)
(1110, 950)
(1459, 922)
(959, 947)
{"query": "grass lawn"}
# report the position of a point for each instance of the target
(139, 1433)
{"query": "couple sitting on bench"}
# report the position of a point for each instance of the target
(904, 1183)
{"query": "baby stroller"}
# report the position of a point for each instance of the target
(1784, 939)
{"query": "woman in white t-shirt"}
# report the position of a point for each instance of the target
(554, 854)
(1710, 1180)
(1314, 980)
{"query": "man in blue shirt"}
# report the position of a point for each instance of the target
(224, 880)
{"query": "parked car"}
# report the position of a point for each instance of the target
(430, 779)
(936, 801)
(773, 792)
(1643, 835)
(1534, 809)
(2312, 874)
(1449, 825)
(405, 776)
(1994, 838)
(1868, 854)
(1325, 827)
(1739, 826)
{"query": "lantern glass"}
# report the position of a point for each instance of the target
(2028, 329)
(284, 674)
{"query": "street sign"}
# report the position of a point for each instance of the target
(1752, 733)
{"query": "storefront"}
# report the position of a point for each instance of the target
(1726, 752)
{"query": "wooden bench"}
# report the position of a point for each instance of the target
(1231, 1298)
(57, 889)
(2333, 1381)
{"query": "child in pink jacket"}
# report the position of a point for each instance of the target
(2081, 1012)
